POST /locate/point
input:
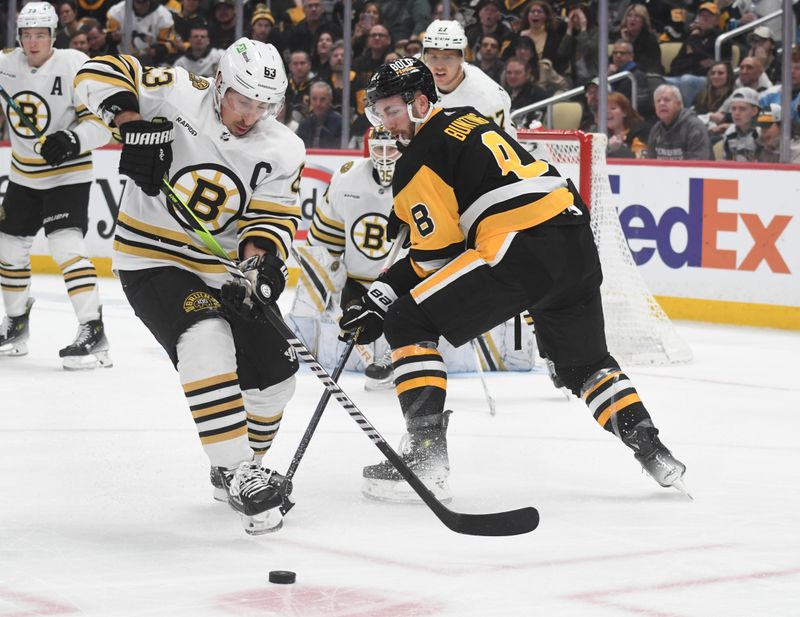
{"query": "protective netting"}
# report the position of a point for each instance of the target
(637, 329)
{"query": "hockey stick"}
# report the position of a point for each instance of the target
(22, 116)
(509, 523)
(479, 367)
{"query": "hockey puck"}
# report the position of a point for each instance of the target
(282, 577)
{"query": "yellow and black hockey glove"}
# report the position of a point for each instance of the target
(146, 153)
(368, 313)
(60, 146)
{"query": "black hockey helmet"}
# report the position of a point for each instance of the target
(404, 76)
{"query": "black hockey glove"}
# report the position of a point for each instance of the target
(368, 313)
(146, 153)
(267, 275)
(60, 146)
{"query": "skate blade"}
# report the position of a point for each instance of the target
(220, 494)
(268, 521)
(90, 361)
(680, 486)
(390, 491)
(373, 385)
(14, 349)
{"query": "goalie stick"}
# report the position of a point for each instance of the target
(508, 523)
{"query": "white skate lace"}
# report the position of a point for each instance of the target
(385, 360)
(5, 327)
(83, 336)
(251, 479)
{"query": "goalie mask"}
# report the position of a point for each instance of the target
(384, 154)
(37, 15)
(254, 70)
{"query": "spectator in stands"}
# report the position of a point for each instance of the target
(413, 47)
(188, 15)
(67, 22)
(627, 130)
(542, 71)
(545, 30)
(636, 29)
(679, 134)
(368, 16)
(490, 21)
(523, 91)
(298, 90)
(696, 54)
(100, 44)
(769, 122)
(762, 46)
(589, 121)
(578, 48)
(154, 35)
(490, 62)
(93, 9)
(357, 90)
(741, 138)
(79, 42)
(773, 95)
(200, 58)
(379, 44)
(707, 104)
(622, 59)
(321, 58)
(323, 128)
(405, 18)
(305, 33)
(223, 25)
(262, 28)
(751, 75)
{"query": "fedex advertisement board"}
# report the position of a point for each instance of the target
(713, 242)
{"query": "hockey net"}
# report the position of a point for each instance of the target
(637, 329)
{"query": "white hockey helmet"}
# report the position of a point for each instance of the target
(383, 152)
(444, 34)
(255, 70)
(37, 15)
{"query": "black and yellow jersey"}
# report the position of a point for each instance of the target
(463, 183)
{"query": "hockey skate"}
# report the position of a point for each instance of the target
(557, 383)
(425, 453)
(380, 375)
(254, 492)
(89, 349)
(655, 458)
(14, 333)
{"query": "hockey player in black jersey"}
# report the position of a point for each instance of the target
(493, 232)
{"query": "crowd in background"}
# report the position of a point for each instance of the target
(687, 107)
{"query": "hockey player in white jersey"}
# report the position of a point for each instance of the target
(239, 170)
(458, 83)
(48, 185)
(347, 246)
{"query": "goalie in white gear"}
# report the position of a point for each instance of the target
(346, 249)
(48, 186)
(238, 169)
(458, 83)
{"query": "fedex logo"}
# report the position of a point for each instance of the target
(702, 223)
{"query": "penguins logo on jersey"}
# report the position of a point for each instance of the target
(213, 192)
(35, 109)
(368, 234)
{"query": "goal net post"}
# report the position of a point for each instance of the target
(638, 330)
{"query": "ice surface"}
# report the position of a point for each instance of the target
(106, 507)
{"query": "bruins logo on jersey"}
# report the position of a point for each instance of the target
(35, 109)
(213, 192)
(198, 82)
(200, 301)
(368, 234)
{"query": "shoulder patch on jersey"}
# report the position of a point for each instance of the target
(201, 83)
(8, 50)
(346, 167)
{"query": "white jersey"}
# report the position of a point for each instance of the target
(480, 91)
(352, 219)
(47, 97)
(205, 66)
(157, 26)
(240, 187)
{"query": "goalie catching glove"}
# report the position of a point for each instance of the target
(146, 153)
(368, 313)
(267, 275)
(60, 146)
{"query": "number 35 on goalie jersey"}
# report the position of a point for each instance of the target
(239, 187)
(463, 183)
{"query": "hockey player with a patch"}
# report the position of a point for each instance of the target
(152, 32)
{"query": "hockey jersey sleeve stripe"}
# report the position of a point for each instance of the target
(122, 66)
(327, 221)
(92, 75)
(271, 207)
(282, 241)
(463, 264)
(326, 239)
